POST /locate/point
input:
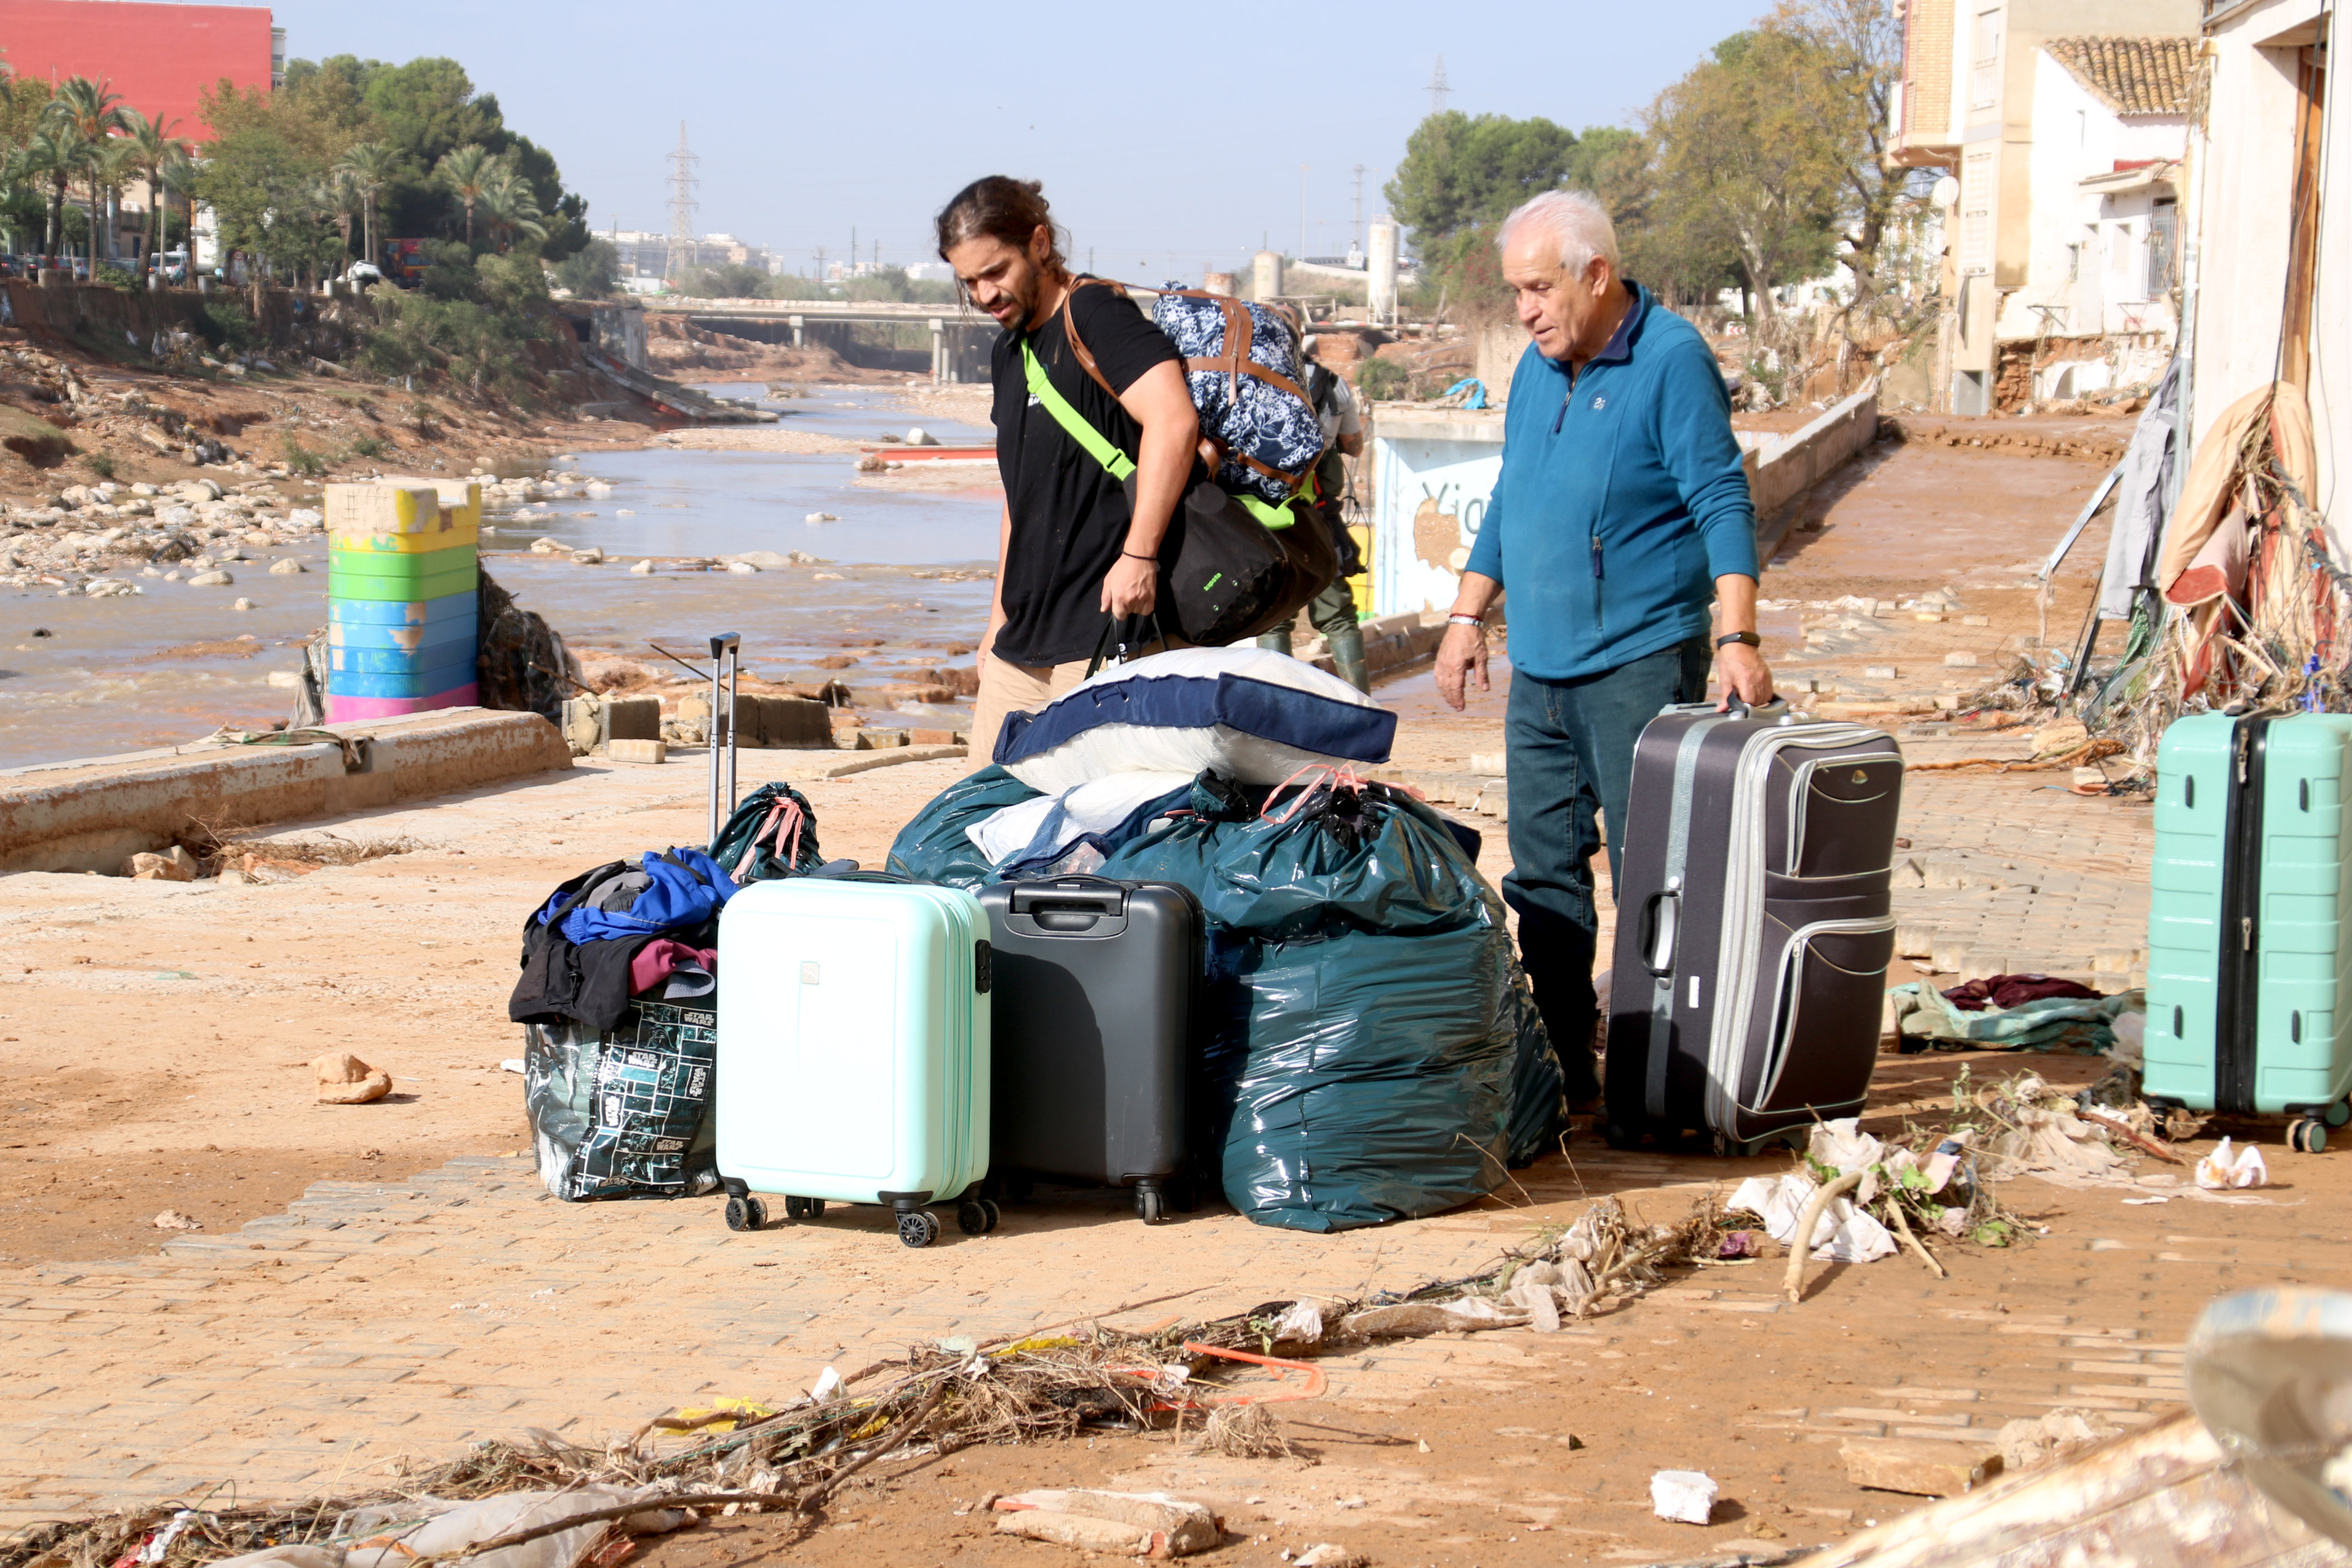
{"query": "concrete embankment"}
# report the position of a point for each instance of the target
(92, 816)
(1781, 472)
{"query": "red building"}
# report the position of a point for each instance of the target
(159, 58)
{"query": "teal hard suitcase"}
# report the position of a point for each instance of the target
(854, 1051)
(2249, 957)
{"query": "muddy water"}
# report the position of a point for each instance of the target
(127, 674)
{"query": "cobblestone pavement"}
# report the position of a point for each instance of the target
(371, 1322)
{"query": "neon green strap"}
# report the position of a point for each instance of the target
(1097, 444)
(1274, 517)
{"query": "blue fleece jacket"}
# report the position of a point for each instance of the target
(1620, 499)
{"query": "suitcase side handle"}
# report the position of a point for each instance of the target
(1661, 925)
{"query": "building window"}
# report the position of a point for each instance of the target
(2163, 234)
(1984, 89)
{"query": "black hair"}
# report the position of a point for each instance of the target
(997, 206)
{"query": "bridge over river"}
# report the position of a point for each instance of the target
(960, 338)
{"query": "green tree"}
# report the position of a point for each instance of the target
(151, 149)
(370, 166)
(510, 207)
(592, 272)
(1746, 158)
(90, 113)
(48, 158)
(1462, 173)
(1859, 44)
(463, 173)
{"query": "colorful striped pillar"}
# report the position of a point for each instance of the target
(402, 580)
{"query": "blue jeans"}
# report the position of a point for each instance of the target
(1570, 761)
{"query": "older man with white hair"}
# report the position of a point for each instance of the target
(1622, 527)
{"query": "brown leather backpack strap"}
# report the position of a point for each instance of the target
(1078, 349)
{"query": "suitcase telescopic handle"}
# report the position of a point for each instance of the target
(1661, 923)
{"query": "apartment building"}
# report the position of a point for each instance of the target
(2056, 121)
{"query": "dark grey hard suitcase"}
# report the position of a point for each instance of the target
(1092, 1016)
(1753, 926)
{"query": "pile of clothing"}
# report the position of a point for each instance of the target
(618, 1004)
(2013, 1012)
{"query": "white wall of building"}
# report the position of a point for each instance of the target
(2088, 256)
(2242, 185)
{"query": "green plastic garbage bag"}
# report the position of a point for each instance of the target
(1361, 1036)
(934, 847)
(771, 835)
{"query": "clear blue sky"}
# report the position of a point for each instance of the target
(1167, 137)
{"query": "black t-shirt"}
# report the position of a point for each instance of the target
(1069, 516)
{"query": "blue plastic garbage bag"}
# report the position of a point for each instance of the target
(935, 846)
(1361, 1035)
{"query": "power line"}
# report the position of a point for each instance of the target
(683, 250)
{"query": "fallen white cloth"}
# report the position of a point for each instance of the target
(1853, 1236)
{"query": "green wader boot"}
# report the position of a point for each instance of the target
(1347, 645)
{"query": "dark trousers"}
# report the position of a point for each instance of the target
(1570, 761)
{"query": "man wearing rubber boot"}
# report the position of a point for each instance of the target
(1332, 612)
(1620, 513)
(1075, 552)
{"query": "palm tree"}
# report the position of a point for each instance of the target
(510, 206)
(338, 196)
(47, 158)
(150, 147)
(369, 166)
(92, 115)
(463, 171)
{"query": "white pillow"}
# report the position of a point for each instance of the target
(1250, 713)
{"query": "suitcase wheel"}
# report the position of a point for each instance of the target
(1150, 1205)
(803, 1208)
(918, 1228)
(2307, 1135)
(977, 1216)
(1617, 1135)
(2339, 1113)
(745, 1213)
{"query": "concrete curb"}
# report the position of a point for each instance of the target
(91, 817)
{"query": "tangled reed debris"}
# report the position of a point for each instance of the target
(933, 1401)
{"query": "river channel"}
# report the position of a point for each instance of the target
(88, 678)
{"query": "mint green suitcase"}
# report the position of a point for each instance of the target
(854, 1059)
(2249, 1009)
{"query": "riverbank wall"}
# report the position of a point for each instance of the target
(93, 815)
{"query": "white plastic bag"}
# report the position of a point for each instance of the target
(2222, 1168)
(1852, 1236)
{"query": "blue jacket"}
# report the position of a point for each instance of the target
(1620, 499)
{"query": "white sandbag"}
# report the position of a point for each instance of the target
(1250, 713)
(1050, 826)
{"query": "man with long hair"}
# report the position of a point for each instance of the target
(1078, 549)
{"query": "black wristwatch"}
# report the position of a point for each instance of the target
(1750, 638)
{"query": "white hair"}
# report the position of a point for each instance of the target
(1575, 219)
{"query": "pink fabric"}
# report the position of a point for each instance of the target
(344, 710)
(658, 959)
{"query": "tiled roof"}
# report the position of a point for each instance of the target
(2131, 75)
